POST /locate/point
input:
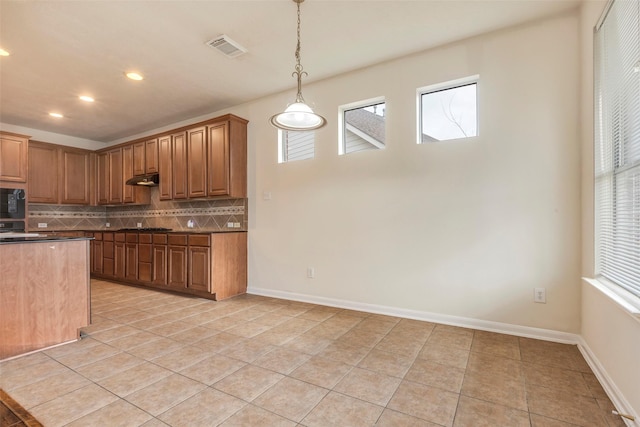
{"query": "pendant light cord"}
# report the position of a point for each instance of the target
(298, 70)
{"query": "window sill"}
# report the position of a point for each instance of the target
(626, 300)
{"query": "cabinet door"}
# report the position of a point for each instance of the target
(159, 265)
(139, 158)
(144, 262)
(164, 167)
(218, 160)
(151, 156)
(43, 173)
(131, 262)
(96, 255)
(199, 268)
(179, 166)
(103, 178)
(177, 263)
(115, 176)
(127, 172)
(119, 257)
(76, 177)
(197, 162)
(13, 157)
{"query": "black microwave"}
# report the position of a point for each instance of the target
(12, 201)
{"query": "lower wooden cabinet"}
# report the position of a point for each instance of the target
(207, 265)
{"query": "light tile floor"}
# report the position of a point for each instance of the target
(157, 359)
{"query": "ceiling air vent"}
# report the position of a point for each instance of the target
(226, 46)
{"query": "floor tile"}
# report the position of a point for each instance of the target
(212, 369)
(107, 367)
(87, 355)
(308, 343)
(156, 348)
(48, 388)
(248, 382)
(478, 413)
(321, 371)
(445, 355)
(210, 407)
(282, 360)
(337, 409)
(134, 379)
(291, 398)
(247, 351)
(117, 414)
(254, 416)
(392, 364)
(425, 402)
(436, 375)
(556, 378)
(20, 376)
(500, 390)
(369, 386)
(164, 394)
(390, 418)
(182, 358)
(344, 352)
(490, 365)
(451, 338)
(566, 407)
(496, 344)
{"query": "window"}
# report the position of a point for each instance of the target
(448, 111)
(362, 126)
(617, 146)
(295, 145)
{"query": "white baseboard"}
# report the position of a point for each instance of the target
(613, 392)
(464, 322)
(616, 397)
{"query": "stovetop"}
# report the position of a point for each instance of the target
(145, 229)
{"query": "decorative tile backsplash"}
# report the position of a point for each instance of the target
(207, 215)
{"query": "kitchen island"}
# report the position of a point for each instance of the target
(44, 292)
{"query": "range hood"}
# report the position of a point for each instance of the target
(149, 180)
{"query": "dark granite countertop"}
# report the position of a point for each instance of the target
(10, 240)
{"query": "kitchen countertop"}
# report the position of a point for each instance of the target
(10, 240)
(238, 230)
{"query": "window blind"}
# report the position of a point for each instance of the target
(617, 145)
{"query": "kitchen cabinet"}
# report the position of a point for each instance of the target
(108, 252)
(206, 265)
(102, 172)
(43, 173)
(59, 175)
(198, 262)
(132, 193)
(159, 260)
(115, 176)
(139, 158)
(151, 156)
(75, 176)
(96, 250)
(179, 166)
(227, 158)
(197, 162)
(177, 261)
(119, 255)
(145, 257)
(13, 157)
(165, 168)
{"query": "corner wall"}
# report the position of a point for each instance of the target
(463, 228)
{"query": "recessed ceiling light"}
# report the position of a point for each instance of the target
(3, 52)
(86, 98)
(134, 76)
(56, 115)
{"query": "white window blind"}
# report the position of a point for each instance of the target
(617, 145)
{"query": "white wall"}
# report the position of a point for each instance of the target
(464, 228)
(611, 334)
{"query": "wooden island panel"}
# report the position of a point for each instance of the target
(44, 294)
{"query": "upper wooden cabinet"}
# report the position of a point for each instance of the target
(197, 162)
(139, 158)
(179, 165)
(132, 193)
(151, 156)
(164, 167)
(13, 157)
(59, 174)
(227, 158)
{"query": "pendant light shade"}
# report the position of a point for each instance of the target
(298, 116)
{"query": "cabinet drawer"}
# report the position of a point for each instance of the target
(178, 239)
(119, 237)
(159, 239)
(199, 240)
(132, 238)
(107, 237)
(144, 238)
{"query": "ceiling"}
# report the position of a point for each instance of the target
(62, 49)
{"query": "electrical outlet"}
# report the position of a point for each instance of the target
(190, 224)
(229, 225)
(540, 295)
(107, 225)
(42, 225)
(236, 225)
(311, 272)
(139, 225)
(266, 195)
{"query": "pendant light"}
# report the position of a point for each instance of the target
(298, 116)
